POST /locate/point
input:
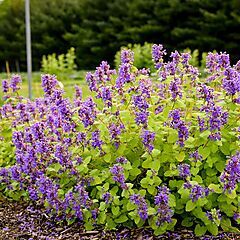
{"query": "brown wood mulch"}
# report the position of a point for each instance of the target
(19, 221)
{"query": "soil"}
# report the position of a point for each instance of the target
(20, 221)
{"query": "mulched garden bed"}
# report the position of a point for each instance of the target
(21, 221)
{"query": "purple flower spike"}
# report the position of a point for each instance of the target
(184, 170)
(161, 200)
(231, 175)
(14, 82)
(148, 139)
(5, 86)
(127, 56)
(157, 55)
(141, 204)
(118, 176)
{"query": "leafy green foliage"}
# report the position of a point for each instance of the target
(62, 65)
(189, 171)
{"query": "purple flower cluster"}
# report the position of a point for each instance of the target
(14, 83)
(106, 95)
(184, 170)
(95, 141)
(87, 112)
(215, 119)
(231, 81)
(49, 83)
(148, 139)
(141, 106)
(103, 73)
(231, 175)
(195, 156)
(206, 92)
(118, 175)
(122, 160)
(157, 55)
(214, 215)
(5, 86)
(196, 191)
(115, 130)
(178, 124)
(141, 204)
(175, 88)
(127, 56)
(107, 197)
(124, 72)
(215, 61)
(161, 200)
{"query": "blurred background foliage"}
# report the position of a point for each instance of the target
(97, 29)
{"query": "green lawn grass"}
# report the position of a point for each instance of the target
(77, 78)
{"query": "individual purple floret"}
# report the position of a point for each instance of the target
(91, 81)
(5, 86)
(157, 55)
(121, 160)
(236, 216)
(161, 200)
(148, 139)
(214, 215)
(184, 170)
(139, 200)
(195, 156)
(118, 175)
(231, 175)
(78, 92)
(107, 197)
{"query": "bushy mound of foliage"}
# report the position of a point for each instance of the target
(143, 57)
(143, 152)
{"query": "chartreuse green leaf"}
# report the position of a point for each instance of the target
(225, 224)
(123, 218)
(212, 228)
(200, 230)
(190, 206)
(110, 223)
(173, 136)
(187, 222)
(180, 157)
(115, 210)
(204, 151)
(155, 152)
(102, 217)
(215, 187)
